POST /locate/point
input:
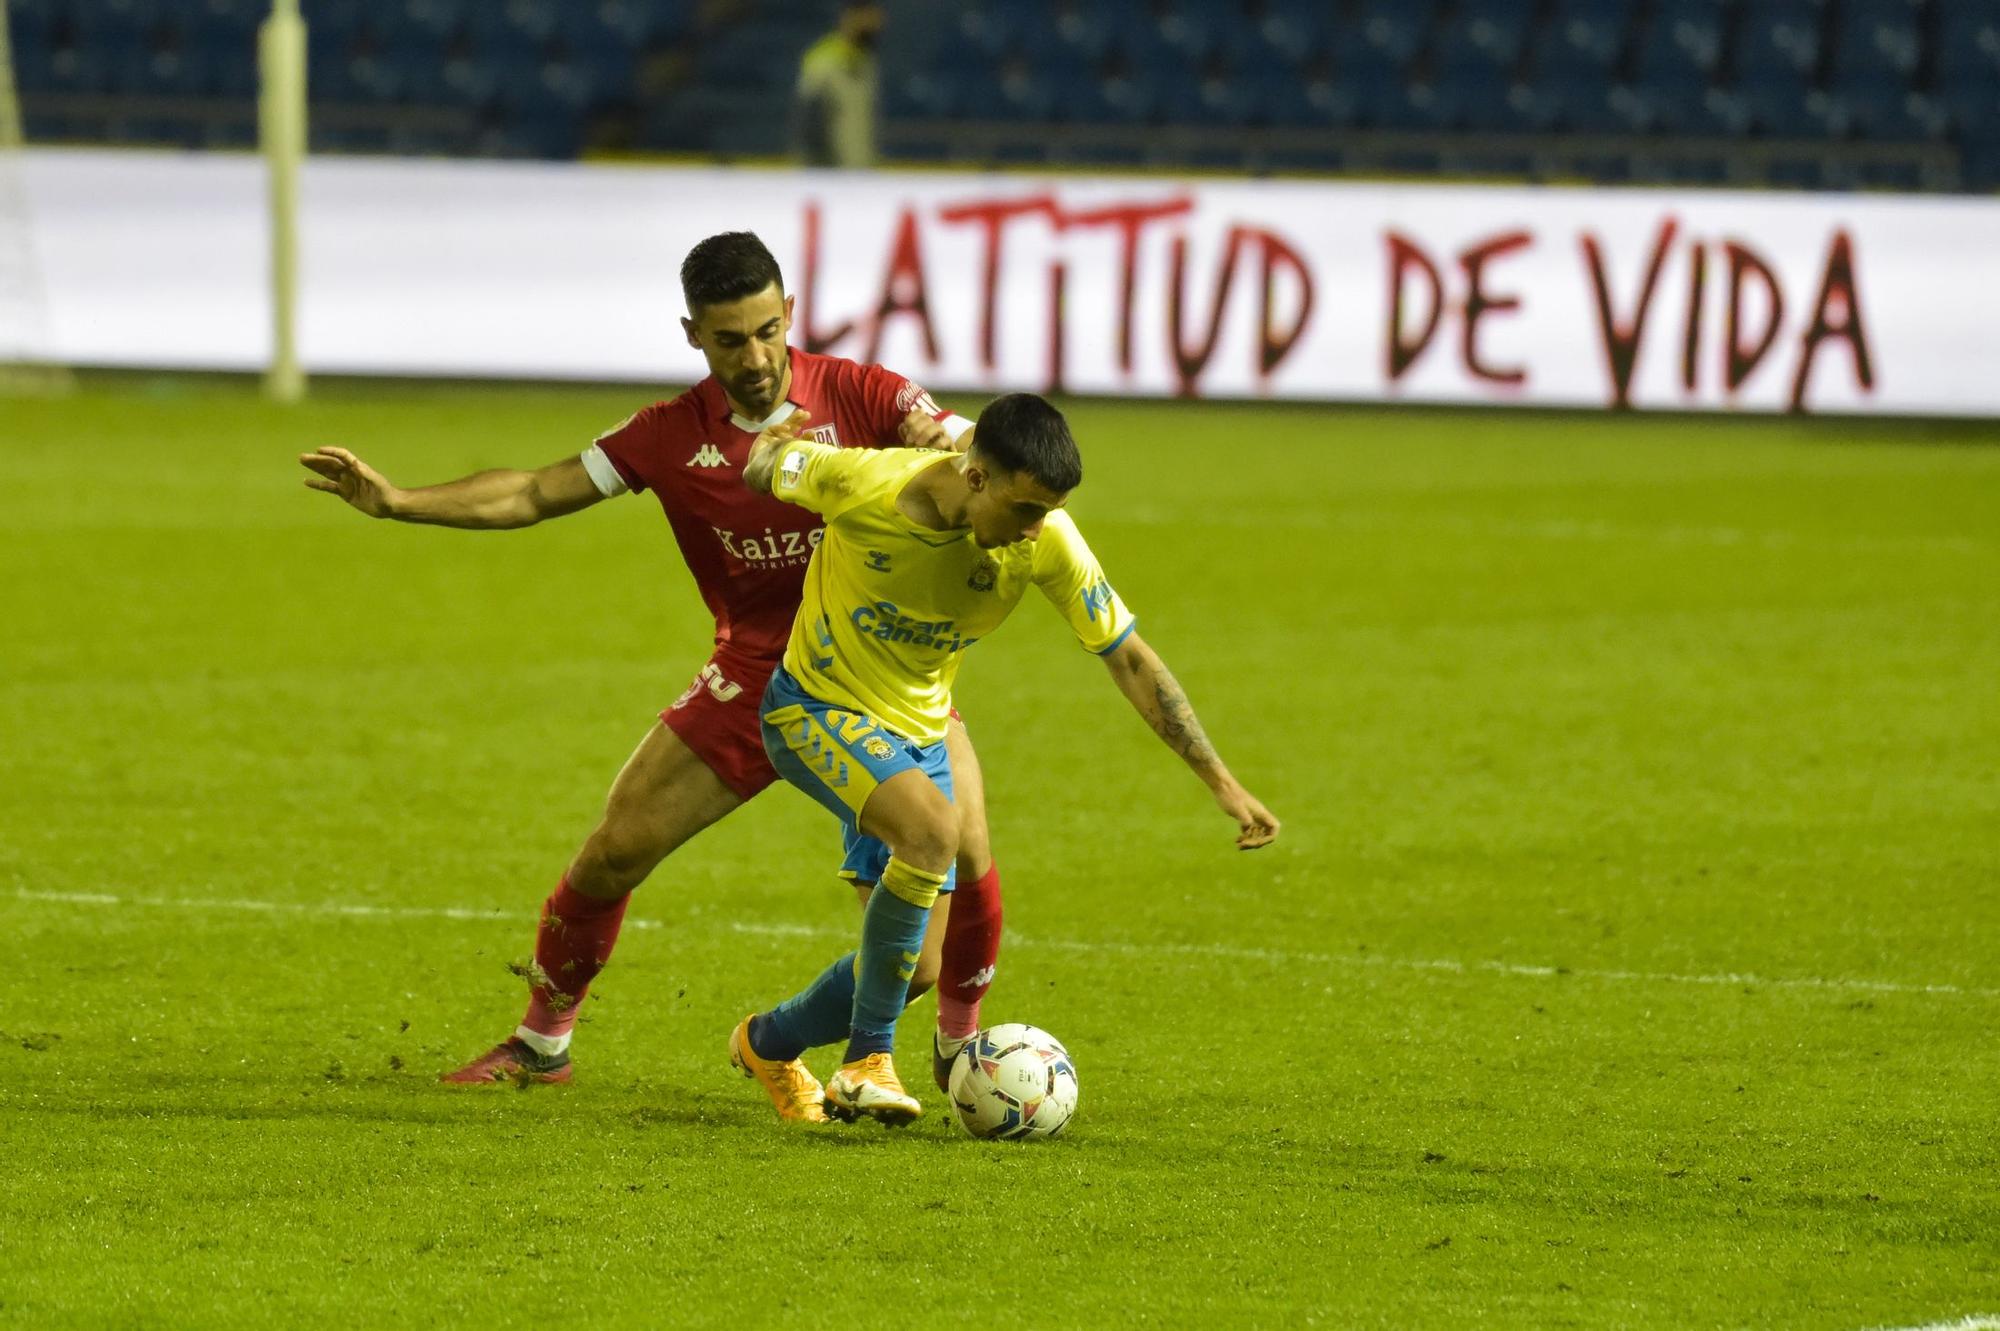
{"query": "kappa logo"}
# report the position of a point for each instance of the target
(708, 455)
(979, 979)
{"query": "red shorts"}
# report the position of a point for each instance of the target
(719, 718)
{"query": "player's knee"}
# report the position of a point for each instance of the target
(619, 855)
(975, 852)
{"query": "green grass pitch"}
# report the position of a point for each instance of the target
(1628, 960)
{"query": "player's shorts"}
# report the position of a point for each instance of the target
(718, 718)
(839, 757)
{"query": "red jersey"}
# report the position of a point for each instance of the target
(748, 552)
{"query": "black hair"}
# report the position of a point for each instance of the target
(1024, 433)
(727, 267)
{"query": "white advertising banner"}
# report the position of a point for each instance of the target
(1650, 299)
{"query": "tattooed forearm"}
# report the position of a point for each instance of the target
(1174, 721)
(1157, 696)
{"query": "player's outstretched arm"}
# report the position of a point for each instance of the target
(763, 459)
(1158, 697)
(486, 500)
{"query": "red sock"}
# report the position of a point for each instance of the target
(572, 944)
(971, 946)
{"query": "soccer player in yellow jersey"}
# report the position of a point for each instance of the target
(924, 554)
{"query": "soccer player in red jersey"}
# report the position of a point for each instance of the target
(748, 553)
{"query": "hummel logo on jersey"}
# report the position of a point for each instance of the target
(708, 456)
(878, 561)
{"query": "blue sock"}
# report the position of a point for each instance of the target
(892, 937)
(816, 1015)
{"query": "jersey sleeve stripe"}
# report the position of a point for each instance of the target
(605, 473)
(1119, 641)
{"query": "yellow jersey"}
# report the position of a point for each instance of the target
(890, 606)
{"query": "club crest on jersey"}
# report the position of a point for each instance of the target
(824, 434)
(984, 575)
(708, 455)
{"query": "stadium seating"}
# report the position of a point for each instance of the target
(1817, 93)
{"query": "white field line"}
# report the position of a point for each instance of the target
(1281, 956)
(1976, 1322)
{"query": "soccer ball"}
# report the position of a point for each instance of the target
(1013, 1082)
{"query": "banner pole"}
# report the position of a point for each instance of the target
(281, 126)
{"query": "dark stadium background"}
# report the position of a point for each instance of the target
(1886, 94)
